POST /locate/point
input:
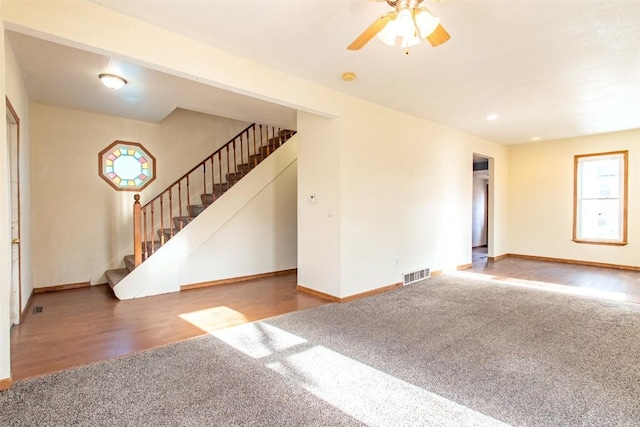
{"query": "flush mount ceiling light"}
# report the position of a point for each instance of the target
(492, 117)
(405, 27)
(112, 81)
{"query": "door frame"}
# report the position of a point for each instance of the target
(488, 207)
(13, 125)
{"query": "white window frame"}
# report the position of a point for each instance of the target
(580, 160)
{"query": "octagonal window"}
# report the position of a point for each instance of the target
(127, 166)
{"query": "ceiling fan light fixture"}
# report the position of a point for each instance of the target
(388, 34)
(426, 22)
(408, 42)
(112, 81)
(405, 25)
(402, 27)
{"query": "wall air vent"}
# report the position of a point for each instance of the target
(416, 276)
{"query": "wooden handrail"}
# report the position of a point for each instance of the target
(199, 164)
(137, 230)
(225, 161)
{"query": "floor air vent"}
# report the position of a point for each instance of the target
(416, 276)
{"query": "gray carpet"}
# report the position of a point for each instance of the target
(443, 352)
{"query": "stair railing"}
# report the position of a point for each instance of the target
(210, 178)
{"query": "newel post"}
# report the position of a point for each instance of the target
(137, 230)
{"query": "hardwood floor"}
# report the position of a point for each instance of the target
(87, 325)
(619, 284)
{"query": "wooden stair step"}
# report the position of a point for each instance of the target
(266, 150)
(275, 141)
(181, 221)
(208, 198)
(130, 263)
(168, 233)
(256, 158)
(220, 188)
(115, 276)
(234, 177)
(195, 210)
(264, 153)
(231, 181)
(244, 168)
(273, 144)
(151, 247)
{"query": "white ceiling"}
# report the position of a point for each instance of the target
(68, 77)
(547, 68)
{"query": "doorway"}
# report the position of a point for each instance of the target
(13, 142)
(480, 223)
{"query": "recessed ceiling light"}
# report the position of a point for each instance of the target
(492, 116)
(349, 76)
(536, 138)
(112, 81)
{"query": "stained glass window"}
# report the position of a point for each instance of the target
(127, 166)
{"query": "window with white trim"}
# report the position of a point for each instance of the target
(600, 198)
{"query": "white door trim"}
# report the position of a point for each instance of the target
(13, 142)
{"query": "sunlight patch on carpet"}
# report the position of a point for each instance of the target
(543, 286)
(258, 339)
(372, 396)
(367, 394)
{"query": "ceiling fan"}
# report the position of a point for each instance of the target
(408, 24)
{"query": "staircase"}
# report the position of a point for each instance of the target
(171, 211)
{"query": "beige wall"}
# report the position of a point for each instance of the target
(17, 95)
(394, 194)
(435, 207)
(541, 199)
(259, 238)
(12, 86)
(5, 230)
(319, 222)
(406, 196)
(81, 225)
